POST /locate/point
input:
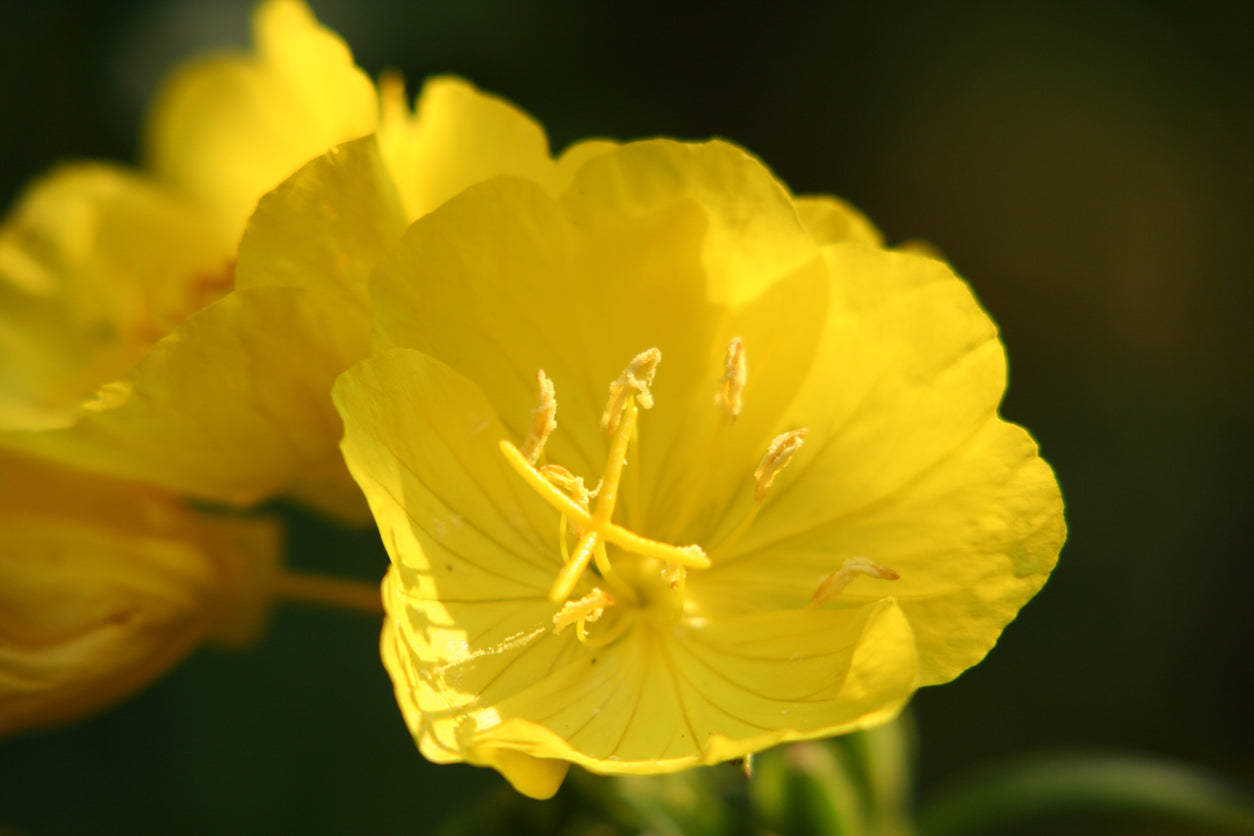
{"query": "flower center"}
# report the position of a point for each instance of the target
(645, 573)
(594, 527)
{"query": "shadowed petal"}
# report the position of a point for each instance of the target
(234, 405)
(906, 465)
(104, 586)
(229, 407)
(95, 265)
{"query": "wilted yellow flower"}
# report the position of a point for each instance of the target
(108, 279)
(104, 586)
(673, 466)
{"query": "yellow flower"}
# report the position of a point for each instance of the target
(673, 466)
(104, 586)
(160, 346)
(97, 262)
(226, 129)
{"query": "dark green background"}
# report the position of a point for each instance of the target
(1089, 168)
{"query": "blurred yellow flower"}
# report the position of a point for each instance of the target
(673, 466)
(104, 586)
(123, 349)
(98, 262)
(142, 337)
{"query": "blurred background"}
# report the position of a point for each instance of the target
(1087, 166)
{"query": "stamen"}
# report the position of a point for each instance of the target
(570, 572)
(543, 418)
(549, 492)
(635, 380)
(693, 557)
(732, 383)
(588, 608)
(778, 454)
(569, 482)
(832, 585)
(566, 492)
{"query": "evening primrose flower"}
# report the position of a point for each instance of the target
(142, 337)
(104, 586)
(673, 466)
(100, 264)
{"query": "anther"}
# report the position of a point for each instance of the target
(732, 383)
(543, 418)
(573, 485)
(635, 380)
(588, 608)
(778, 454)
(833, 584)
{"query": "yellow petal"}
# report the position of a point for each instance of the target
(909, 367)
(694, 458)
(424, 445)
(456, 137)
(503, 280)
(95, 265)
(752, 233)
(658, 702)
(473, 551)
(906, 465)
(538, 778)
(489, 284)
(325, 227)
(232, 407)
(225, 130)
(464, 536)
(884, 358)
(573, 158)
(103, 587)
(831, 220)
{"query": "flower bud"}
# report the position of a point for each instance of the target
(104, 586)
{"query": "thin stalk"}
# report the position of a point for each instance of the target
(329, 591)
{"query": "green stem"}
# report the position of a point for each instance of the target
(806, 788)
(886, 756)
(1039, 786)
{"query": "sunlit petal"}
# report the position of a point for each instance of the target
(227, 129)
(455, 137)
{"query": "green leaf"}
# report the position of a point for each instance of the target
(1044, 785)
